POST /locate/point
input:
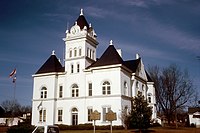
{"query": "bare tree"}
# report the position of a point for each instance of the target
(173, 88)
(13, 108)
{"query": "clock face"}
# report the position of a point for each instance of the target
(73, 30)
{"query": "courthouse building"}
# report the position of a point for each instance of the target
(69, 93)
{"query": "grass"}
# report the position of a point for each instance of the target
(151, 130)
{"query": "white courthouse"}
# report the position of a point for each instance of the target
(68, 94)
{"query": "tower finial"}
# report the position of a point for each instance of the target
(53, 52)
(81, 12)
(111, 42)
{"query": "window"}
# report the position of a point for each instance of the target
(93, 55)
(90, 53)
(88, 50)
(70, 53)
(149, 97)
(137, 88)
(40, 112)
(60, 91)
(74, 116)
(90, 89)
(137, 85)
(78, 68)
(80, 51)
(60, 115)
(75, 52)
(43, 92)
(143, 88)
(89, 114)
(42, 115)
(106, 88)
(125, 88)
(75, 90)
(105, 110)
(72, 68)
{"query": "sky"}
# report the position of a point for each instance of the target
(163, 32)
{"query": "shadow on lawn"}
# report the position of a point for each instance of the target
(143, 131)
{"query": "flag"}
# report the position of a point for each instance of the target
(14, 78)
(13, 73)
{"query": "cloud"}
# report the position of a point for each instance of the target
(98, 12)
(144, 3)
(172, 36)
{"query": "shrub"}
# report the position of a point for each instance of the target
(21, 129)
(87, 126)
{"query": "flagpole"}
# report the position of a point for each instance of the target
(13, 75)
(14, 80)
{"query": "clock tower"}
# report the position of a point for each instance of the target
(80, 46)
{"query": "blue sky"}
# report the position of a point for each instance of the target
(161, 31)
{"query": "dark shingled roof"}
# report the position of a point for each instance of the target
(132, 64)
(148, 77)
(81, 21)
(109, 57)
(51, 65)
(112, 57)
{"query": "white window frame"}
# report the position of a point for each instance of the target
(43, 92)
(106, 88)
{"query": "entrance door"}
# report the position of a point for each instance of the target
(74, 116)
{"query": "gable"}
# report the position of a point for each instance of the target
(141, 71)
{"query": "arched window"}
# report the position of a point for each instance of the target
(80, 51)
(70, 53)
(106, 88)
(74, 116)
(149, 97)
(75, 52)
(75, 90)
(125, 88)
(42, 115)
(93, 55)
(88, 50)
(43, 93)
(137, 85)
(143, 88)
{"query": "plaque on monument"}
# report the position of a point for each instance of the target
(95, 115)
(111, 116)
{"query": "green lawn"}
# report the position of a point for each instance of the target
(152, 130)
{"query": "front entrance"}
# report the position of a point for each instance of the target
(74, 116)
